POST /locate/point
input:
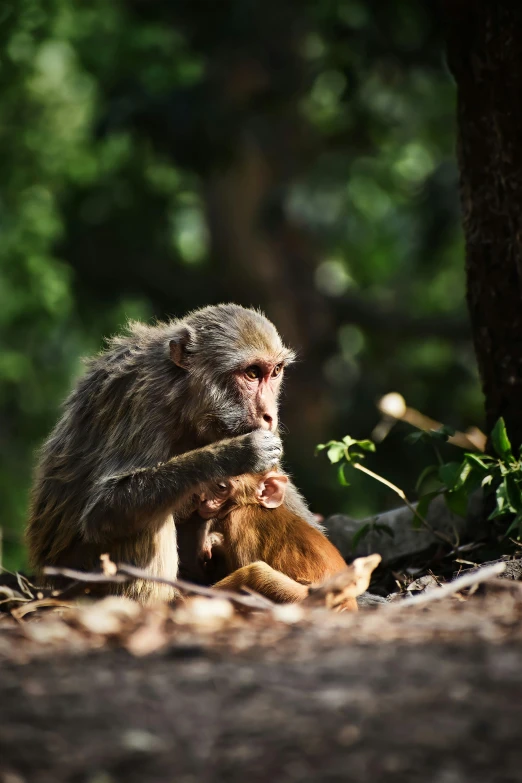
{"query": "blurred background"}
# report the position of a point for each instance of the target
(297, 155)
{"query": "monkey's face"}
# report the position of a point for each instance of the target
(244, 399)
(234, 360)
(258, 387)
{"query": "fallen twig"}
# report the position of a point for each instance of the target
(94, 577)
(466, 580)
(127, 572)
(253, 601)
(41, 603)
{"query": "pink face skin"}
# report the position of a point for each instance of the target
(259, 383)
(213, 498)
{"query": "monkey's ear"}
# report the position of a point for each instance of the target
(271, 490)
(179, 347)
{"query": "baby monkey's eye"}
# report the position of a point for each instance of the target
(253, 372)
(277, 369)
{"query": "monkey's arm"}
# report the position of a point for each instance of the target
(123, 504)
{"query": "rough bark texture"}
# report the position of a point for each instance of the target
(485, 56)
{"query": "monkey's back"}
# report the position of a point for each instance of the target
(93, 439)
(283, 540)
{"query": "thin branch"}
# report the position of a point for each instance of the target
(95, 577)
(127, 572)
(260, 602)
(398, 491)
(41, 603)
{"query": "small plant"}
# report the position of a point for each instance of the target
(499, 475)
(349, 452)
(346, 452)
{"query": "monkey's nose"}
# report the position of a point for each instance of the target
(268, 422)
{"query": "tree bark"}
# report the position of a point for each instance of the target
(484, 43)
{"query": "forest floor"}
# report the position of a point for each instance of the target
(111, 692)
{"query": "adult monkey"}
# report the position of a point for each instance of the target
(163, 411)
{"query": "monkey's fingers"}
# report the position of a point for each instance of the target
(263, 450)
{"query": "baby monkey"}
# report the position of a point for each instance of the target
(266, 546)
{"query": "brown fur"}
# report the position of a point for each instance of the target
(273, 551)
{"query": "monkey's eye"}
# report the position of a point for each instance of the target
(277, 370)
(253, 372)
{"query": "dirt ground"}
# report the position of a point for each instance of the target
(431, 693)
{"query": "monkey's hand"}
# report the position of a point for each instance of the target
(213, 544)
(262, 450)
(213, 498)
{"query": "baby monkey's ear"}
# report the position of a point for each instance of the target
(180, 347)
(271, 489)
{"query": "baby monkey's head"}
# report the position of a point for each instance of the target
(251, 489)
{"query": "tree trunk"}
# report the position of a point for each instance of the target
(485, 56)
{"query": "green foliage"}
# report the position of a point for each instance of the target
(499, 475)
(50, 151)
(370, 527)
(124, 125)
(346, 452)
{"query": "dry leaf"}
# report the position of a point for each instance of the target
(108, 617)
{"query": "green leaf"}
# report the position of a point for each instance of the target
(513, 493)
(423, 507)
(366, 445)
(371, 527)
(501, 442)
(465, 472)
(355, 448)
(449, 474)
(360, 534)
(355, 455)
(517, 523)
(503, 468)
(478, 462)
(503, 502)
(348, 441)
(443, 433)
(428, 471)
(487, 480)
(340, 475)
(417, 437)
(426, 436)
(457, 501)
(336, 452)
(473, 480)
(502, 497)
